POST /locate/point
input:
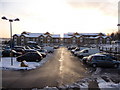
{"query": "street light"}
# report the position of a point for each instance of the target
(10, 20)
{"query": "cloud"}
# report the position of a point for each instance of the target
(108, 8)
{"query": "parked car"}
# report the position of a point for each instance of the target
(43, 52)
(56, 47)
(87, 52)
(71, 47)
(5, 47)
(28, 50)
(108, 55)
(0, 53)
(7, 53)
(74, 50)
(30, 57)
(19, 48)
(84, 59)
(49, 49)
(78, 50)
(102, 61)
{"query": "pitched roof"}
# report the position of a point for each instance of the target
(39, 34)
(55, 35)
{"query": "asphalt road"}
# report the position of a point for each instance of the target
(62, 68)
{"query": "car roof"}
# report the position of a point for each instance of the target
(97, 55)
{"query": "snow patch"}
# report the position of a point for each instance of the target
(103, 84)
(5, 64)
(98, 70)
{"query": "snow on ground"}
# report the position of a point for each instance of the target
(103, 84)
(5, 64)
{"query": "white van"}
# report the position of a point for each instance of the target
(87, 52)
(49, 49)
(77, 51)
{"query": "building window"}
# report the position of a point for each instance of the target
(15, 43)
(48, 40)
(48, 37)
(31, 39)
(81, 39)
(22, 38)
(74, 41)
(41, 37)
(108, 41)
(73, 38)
(65, 40)
(41, 40)
(15, 39)
(57, 40)
(36, 39)
(100, 40)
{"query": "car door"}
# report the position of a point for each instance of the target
(86, 53)
(28, 56)
(108, 61)
(100, 60)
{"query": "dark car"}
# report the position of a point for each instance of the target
(32, 50)
(56, 47)
(84, 59)
(102, 61)
(43, 52)
(71, 47)
(19, 48)
(28, 50)
(108, 55)
(7, 53)
(30, 57)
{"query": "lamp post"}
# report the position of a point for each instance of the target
(10, 20)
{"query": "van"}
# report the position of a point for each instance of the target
(49, 49)
(78, 50)
(87, 52)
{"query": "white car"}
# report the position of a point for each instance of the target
(76, 52)
(49, 49)
(87, 52)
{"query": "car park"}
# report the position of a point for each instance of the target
(101, 60)
(30, 57)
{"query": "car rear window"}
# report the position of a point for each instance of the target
(99, 57)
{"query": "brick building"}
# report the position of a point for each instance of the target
(86, 38)
(38, 38)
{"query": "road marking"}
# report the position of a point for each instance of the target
(61, 61)
(61, 67)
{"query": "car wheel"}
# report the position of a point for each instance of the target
(116, 65)
(94, 65)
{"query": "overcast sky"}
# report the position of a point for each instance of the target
(59, 16)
